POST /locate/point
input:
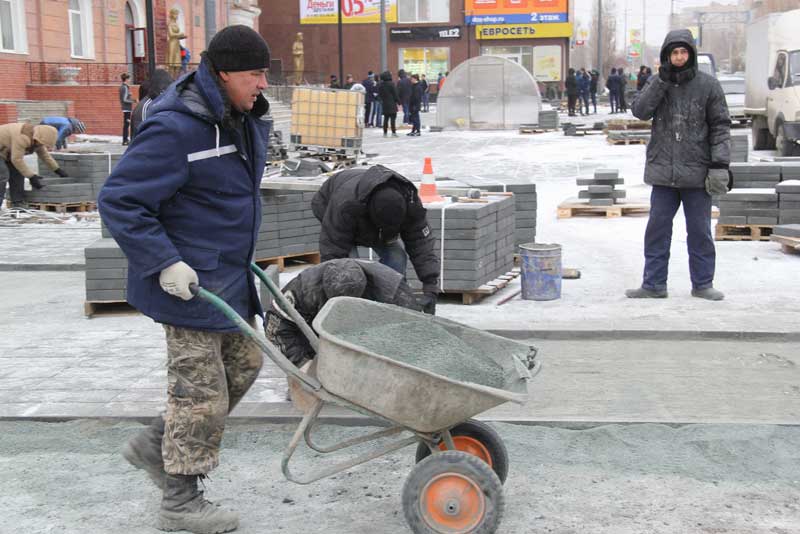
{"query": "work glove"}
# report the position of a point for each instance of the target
(36, 181)
(717, 181)
(61, 172)
(176, 279)
(664, 73)
(428, 302)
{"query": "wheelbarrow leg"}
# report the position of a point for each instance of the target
(350, 442)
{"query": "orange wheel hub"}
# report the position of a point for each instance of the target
(452, 503)
(470, 446)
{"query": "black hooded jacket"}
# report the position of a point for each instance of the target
(387, 93)
(342, 206)
(691, 125)
(308, 294)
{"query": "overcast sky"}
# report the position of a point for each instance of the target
(657, 15)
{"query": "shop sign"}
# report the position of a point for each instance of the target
(516, 11)
(353, 11)
(425, 33)
(523, 31)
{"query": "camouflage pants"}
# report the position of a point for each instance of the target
(208, 374)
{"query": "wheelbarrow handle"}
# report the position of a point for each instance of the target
(263, 343)
(287, 307)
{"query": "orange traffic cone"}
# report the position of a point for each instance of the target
(427, 191)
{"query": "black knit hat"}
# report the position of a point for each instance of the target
(387, 209)
(238, 48)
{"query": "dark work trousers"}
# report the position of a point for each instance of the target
(126, 126)
(612, 99)
(594, 102)
(367, 113)
(16, 182)
(389, 117)
(664, 202)
(585, 102)
(622, 105)
(406, 115)
(415, 121)
(571, 101)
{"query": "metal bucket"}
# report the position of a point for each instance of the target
(541, 271)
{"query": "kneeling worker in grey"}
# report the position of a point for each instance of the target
(312, 288)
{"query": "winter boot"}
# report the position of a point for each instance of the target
(143, 451)
(644, 293)
(184, 508)
(708, 293)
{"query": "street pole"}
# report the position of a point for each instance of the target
(644, 32)
(341, 47)
(600, 37)
(384, 61)
(151, 39)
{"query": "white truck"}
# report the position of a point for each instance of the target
(772, 95)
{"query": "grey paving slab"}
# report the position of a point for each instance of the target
(789, 230)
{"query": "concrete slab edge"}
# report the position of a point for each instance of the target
(17, 267)
(616, 335)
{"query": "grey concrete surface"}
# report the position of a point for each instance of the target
(698, 479)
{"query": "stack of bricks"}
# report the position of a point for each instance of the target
(474, 242)
(548, 119)
(61, 193)
(788, 202)
(525, 201)
(288, 226)
(740, 148)
(601, 190)
(749, 206)
(755, 175)
(106, 272)
(88, 170)
(790, 170)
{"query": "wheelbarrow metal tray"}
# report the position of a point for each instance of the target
(405, 394)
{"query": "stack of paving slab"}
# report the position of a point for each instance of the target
(789, 201)
(601, 190)
(548, 119)
(740, 148)
(475, 242)
(749, 206)
(755, 175)
(90, 170)
(106, 272)
(288, 226)
(61, 193)
(787, 230)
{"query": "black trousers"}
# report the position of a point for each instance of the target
(571, 101)
(126, 126)
(367, 113)
(15, 180)
(386, 119)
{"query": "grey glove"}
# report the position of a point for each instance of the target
(717, 181)
(176, 279)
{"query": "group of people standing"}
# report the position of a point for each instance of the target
(581, 87)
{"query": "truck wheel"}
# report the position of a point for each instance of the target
(785, 147)
(761, 136)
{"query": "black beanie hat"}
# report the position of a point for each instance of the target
(387, 209)
(238, 48)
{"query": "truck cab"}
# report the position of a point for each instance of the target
(783, 102)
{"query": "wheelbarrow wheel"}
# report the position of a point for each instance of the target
(478, 439)
(453, 492)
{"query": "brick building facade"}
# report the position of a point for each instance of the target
(43, 42)
(423, 41)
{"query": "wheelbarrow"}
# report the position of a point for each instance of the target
(456, 484)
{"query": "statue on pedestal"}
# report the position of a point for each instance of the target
(174, 36)
(299, 60)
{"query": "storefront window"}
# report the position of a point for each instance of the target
(411, 11)
(427, 61)
(544, 62)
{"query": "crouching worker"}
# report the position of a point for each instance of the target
(313, 287)
(16, 141)
(380, 209)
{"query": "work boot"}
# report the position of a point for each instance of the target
(19, 205)
(183, 507)
(143, 451)
(708, 293)
(644, 293)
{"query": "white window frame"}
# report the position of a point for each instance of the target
(416, 11)
(20, 36)
(86, 29)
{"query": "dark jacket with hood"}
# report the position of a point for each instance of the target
(387, 92)
(404, 88)
(188, 189)
(571, 84)
(308, 294)
(342, 206)
(691, 126)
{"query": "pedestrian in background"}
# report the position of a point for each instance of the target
(571, 84)
(595, 77)
(641, 78)
(377, 105)
(584, 85)
(334, 83)
(415, 105)
(349, 81)
(612, 84)
(126, 102)
(426, 94)
(369, 98)
(404, 92)
(687, 161)
(623, 88)
(389, 102)
(156, 85)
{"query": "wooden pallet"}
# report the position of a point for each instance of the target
(109, 308)
(577, 209)
(742, 232)
(68, 207)
(622, 141)
(490, 288)
(628, 124)
(789, 245)
(537, 130)
(308, 257)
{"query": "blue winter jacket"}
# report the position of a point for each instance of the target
(584, 82)
(62, 124)
(188, 189)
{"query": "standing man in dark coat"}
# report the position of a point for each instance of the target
(387, 92)
(380, 209)
(369, 98)
(571, 85)
(641, 78)
(415, 106)
(623, 87)
(687, 160)
(595, 77)
(612, 84)
(404, 92)
(312, 288)
(184, 205)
